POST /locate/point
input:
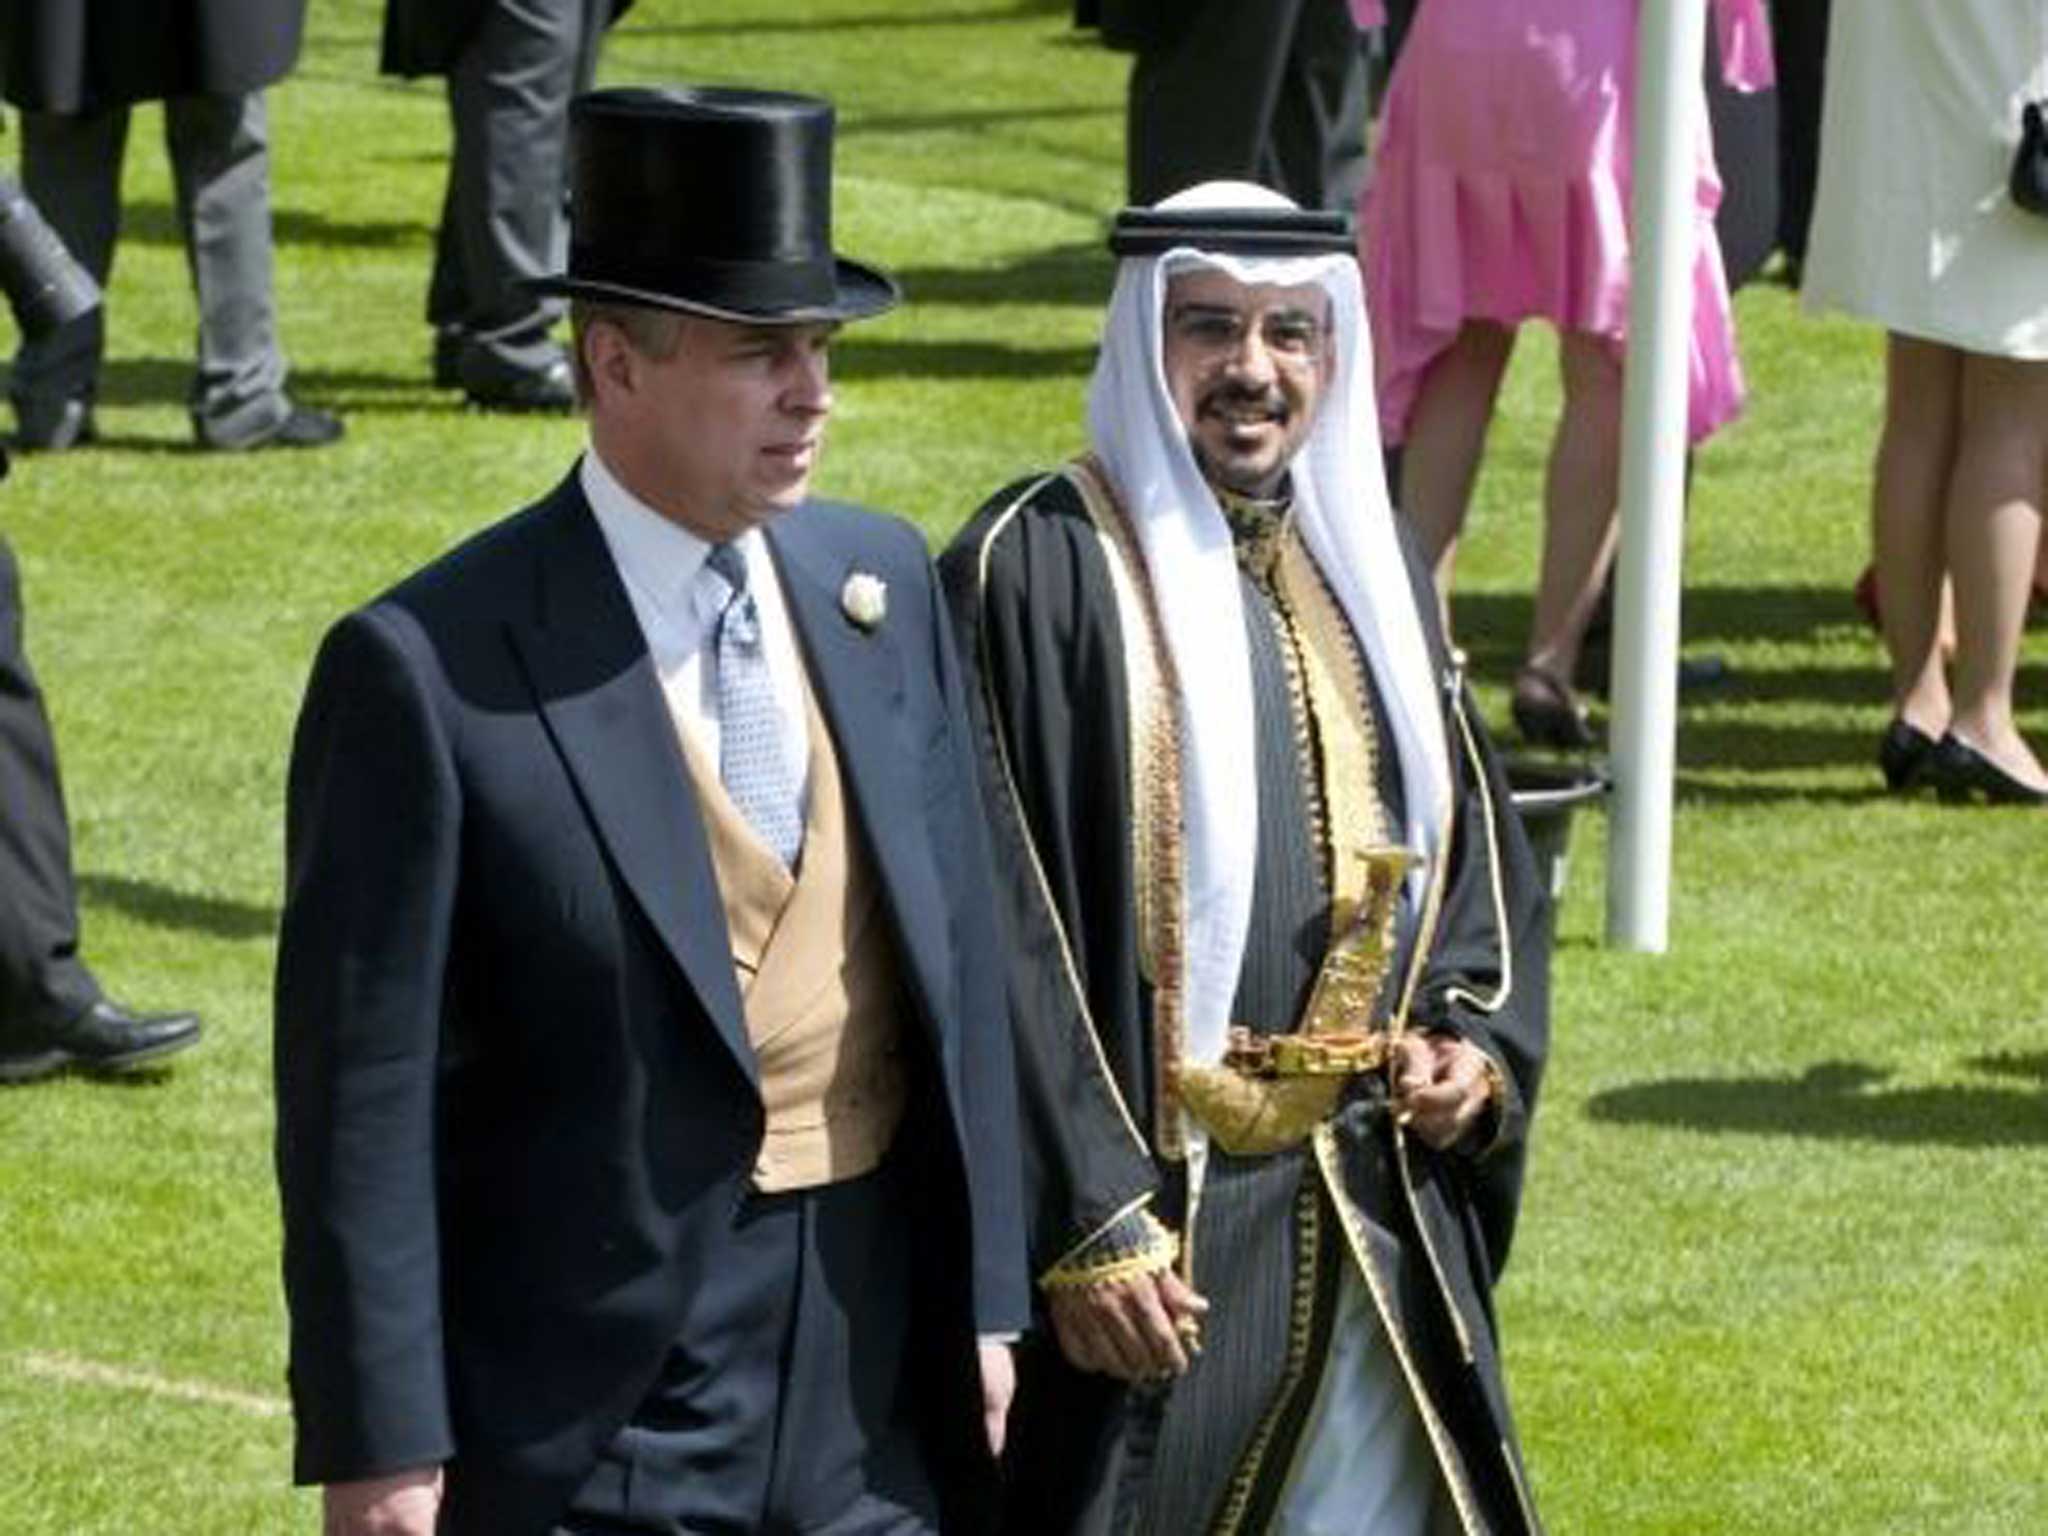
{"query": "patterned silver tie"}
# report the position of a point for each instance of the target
(750, 758)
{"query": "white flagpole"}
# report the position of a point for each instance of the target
(1671, 36)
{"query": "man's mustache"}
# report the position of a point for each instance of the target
(1235, 397)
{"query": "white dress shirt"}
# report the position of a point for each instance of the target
(678, 601)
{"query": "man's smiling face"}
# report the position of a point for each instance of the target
(1247, 366)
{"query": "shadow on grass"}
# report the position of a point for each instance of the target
(163, 907)
(870, 21)
(972, 119)
(1843, 1101)
(155, 1074)
(1736, 727)
(957, 360)
(168, 381)
(2032, 1064)
(1714, 615)
(156, 223)
(1061, 274)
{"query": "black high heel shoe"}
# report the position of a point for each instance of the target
(1547, 713)
(1961, 774)
(1903, 753)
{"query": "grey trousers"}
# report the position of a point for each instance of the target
(1272, 93)
(502, 218)
(220, 164)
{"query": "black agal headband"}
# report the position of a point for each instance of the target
(1232, 231)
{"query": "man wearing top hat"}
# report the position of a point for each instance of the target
(645, 1124)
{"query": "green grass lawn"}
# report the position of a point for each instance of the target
(1781, 1267)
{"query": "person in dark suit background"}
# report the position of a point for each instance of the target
(511, 67)
(75, 68)
(1799, 41)
(53, 1013)
(1272, 93)
(646, 1124)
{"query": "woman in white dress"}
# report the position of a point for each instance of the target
(1913, 228)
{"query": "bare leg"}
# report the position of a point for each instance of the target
(1447, 435)
(1994, 530)
(1579, 496)
(1916, 452)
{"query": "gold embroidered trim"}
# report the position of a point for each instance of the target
(1122, 1211)
(1425, 937)
(1484, 789)
(1160, 1250)
(1143, 700)
(1301, 1305)
(1023, 826)
(1341, 722)
(1361, 1253)
(1159, 852)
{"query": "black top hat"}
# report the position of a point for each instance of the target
(716, 201)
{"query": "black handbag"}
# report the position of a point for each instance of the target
(2029, 182)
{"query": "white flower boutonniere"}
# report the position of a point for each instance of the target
(865, 599)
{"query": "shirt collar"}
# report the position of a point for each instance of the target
(655, 555)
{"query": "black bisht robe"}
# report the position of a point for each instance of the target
(1037, 618)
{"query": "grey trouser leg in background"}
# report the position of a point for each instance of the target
(1272, 93)
(220, 160)
(501, 219)
(220, 163)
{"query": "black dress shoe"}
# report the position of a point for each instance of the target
(1961, 775)
(104, 1038)
(68, 424)
(1903, 753)
(550, 391)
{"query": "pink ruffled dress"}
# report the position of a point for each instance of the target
(1500, 186)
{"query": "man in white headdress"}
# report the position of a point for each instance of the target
(1277, 973)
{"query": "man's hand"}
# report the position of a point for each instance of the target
(402, 1504)
(1442, 1086)
(998, 1386)
(1137, 1329)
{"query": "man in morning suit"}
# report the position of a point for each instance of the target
(646, 1135)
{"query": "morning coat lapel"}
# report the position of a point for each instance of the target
(595, 685)
(857, 676)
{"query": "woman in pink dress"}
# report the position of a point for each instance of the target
(1500, 194)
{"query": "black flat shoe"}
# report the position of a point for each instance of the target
(1548, 714)
(1962, 775)
(1903, 753)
